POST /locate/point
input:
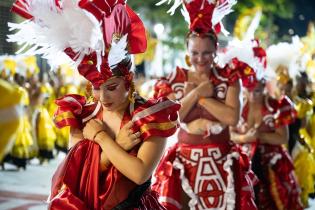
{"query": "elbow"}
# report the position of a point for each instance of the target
(139, 180)
(232, 121)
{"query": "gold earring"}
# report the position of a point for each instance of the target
(187, 60)
(131, 95)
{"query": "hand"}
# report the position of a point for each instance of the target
(189, 86)
(91, 128)
(126, 138)
(205, 89)
(250, 135)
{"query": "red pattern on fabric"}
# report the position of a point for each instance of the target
(168, 182)
(277, 185)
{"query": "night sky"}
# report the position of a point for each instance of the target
(303, 14)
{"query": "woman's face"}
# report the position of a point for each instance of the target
(113, 94)
(258, 93)
(201, 51)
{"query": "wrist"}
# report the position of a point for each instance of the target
(96, 134)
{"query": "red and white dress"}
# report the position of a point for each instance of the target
(277, 188)
(210, 169)
(78, 183)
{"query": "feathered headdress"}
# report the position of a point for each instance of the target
(247, 56)
(203, 16)
(283, 59)
(96, 34)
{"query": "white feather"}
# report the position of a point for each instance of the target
(117, 51)
(52, 30)
(243, 51)
(175, 5)
(250, 33)
(222, 10)
(286, 54)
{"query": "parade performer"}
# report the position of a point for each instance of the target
(22, 149)
(291, 81)
(117, 141)
(267, 120)
(10, 114)
(205, 170)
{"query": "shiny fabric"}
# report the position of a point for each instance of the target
(90, 189)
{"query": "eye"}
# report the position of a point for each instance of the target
(112, 87)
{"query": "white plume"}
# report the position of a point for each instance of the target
(221, 11)
(52, 30)
(250, 33)
(117, 51)
(286, 54)
(172, 10)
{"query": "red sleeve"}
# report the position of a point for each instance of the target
(156, 118)
(72, 110)
(162, 88)
(286, 113)
(236, 70)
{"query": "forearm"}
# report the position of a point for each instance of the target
(130, 166)
(187, 103)
(240, 138)
(224, 113)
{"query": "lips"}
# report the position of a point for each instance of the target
(107, 104)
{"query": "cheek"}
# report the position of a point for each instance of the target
(120, 94)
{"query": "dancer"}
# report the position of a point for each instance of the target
(204, 170)
(117, 141)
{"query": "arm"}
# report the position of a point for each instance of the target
(140, 168)
(247, 137)
(280, 136)
(228, 112)
(187, 103)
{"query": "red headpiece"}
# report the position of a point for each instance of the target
(116, 28)
(204, 15)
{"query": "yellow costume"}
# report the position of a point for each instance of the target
(10, 109)
(45, 133)
(21, 150)
(303, 153)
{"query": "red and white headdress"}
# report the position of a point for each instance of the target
(203, 16)
(96, 34)
(247, 57)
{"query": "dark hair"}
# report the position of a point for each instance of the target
(211, 35)
(122, 68)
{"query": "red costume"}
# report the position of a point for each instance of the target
(277, 187)
(79, 183)
(210, 169)
(112, 31)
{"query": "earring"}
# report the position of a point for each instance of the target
(131, 94)
(187, 60)
(89, 92)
